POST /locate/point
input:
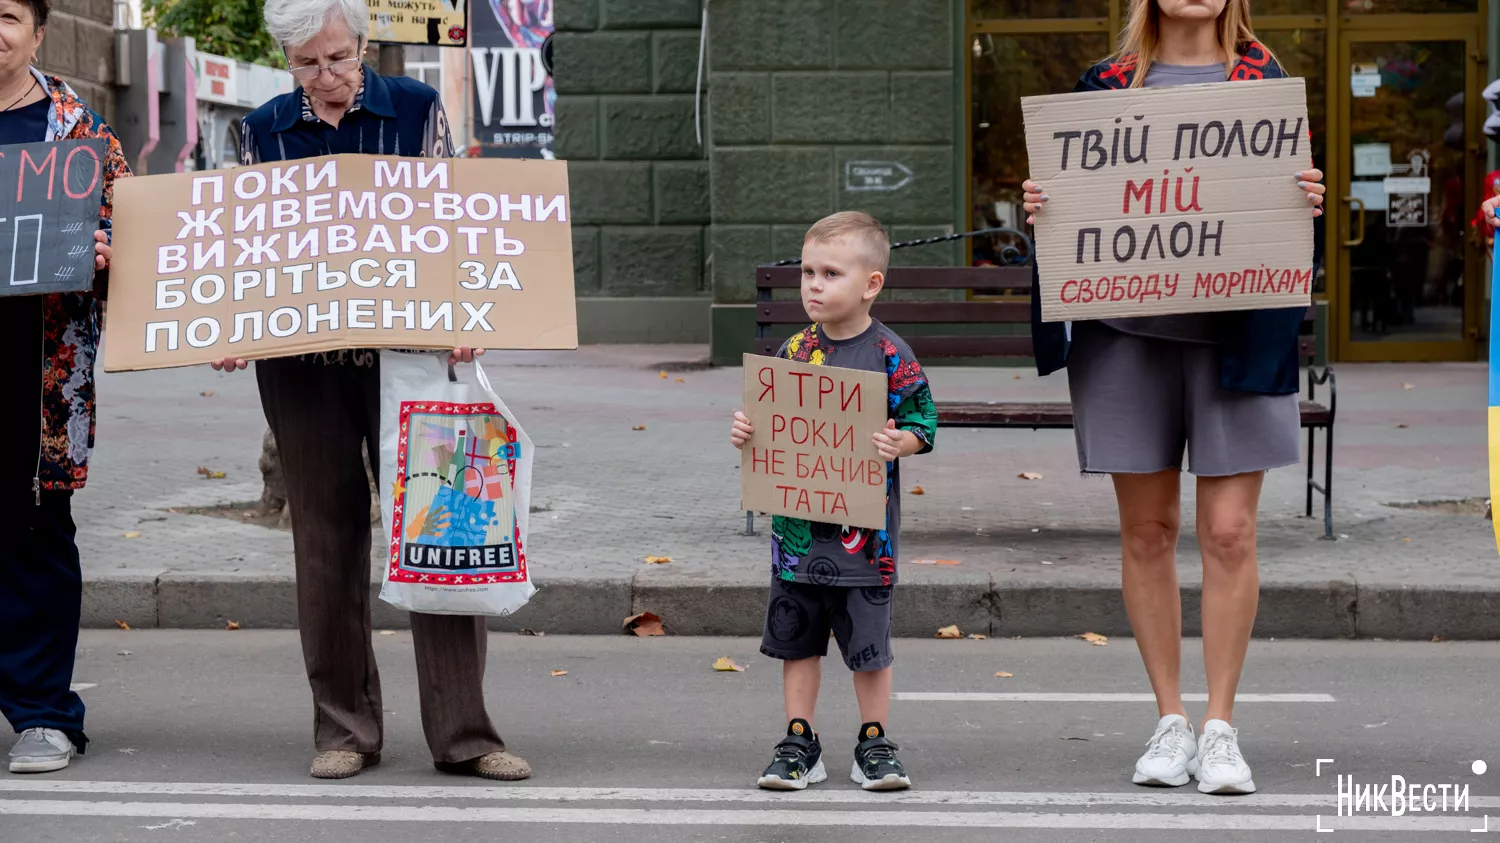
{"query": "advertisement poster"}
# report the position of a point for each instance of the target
(513, 95)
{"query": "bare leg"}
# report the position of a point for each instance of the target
(801, 678)
(873, 690)
(1231, 582)
(1150, 518)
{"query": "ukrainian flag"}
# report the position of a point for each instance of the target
(1495, 392)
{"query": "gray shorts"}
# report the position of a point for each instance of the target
(799, 617)
(1138, 401)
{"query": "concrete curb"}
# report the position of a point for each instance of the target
(698, 605)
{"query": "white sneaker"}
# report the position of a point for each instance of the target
(41, 751)
(1168, 754)
(1219, 767)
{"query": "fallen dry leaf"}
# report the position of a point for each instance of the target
(937, 562)
(1406, 386)
(950, 632)
(1096, 639)
(1401, 426)
(559, 673)
(645, 624)
(232, 626)
(1004, 675)
(725, 663)
(533, 632)
(917, 490)
(639, 427)
(208, 394)
(1015, 377)
(658, 560)
(682, 380)
(1029, 475)
(133, 534)
(977, 636)
(210, 474)
(121, 624)
(663, 374)
(1438, 639)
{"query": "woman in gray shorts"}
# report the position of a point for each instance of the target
(1220, 385)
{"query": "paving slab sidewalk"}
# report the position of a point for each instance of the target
(1038, 557)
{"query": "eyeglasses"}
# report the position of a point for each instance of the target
(309, 72)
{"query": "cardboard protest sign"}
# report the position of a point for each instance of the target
(811, 455)
(441, 23)
(1171, 200)
(344, 251)
(49, 211)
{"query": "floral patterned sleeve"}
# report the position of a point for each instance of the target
(437, 139)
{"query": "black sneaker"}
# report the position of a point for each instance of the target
(798, 762)
(876, 766)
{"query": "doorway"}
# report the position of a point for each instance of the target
(1405, 261)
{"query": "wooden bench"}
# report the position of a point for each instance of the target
(1009, 289)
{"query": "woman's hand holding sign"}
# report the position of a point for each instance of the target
(102, 252)
(1311, 181)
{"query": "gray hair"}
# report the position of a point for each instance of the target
(293, 23)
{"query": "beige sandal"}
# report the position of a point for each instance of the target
(342, 764)
(500, 766)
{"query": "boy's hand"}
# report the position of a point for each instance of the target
(890, 441)
(740, 433)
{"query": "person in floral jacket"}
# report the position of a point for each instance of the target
(49, 343)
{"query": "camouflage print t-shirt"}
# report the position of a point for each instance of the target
(829, 554)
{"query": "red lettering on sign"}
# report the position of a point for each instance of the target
(48, 164)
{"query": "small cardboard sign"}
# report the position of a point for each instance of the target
(1171, 200)
(812, 454)
(343, 251)
(49, 211)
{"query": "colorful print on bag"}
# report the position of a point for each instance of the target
(453, 519)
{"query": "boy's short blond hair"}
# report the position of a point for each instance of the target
(862, 231)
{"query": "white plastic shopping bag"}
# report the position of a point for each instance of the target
(455, 470)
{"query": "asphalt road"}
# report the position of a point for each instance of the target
(206, 736)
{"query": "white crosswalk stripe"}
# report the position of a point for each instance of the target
(1179, 811)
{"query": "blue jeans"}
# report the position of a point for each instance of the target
(41, 589)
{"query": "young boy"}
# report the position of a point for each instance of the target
(825, 577)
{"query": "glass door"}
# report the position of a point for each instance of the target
(1408, 266)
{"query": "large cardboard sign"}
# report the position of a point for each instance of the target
(1172, 200)
(49, 211)
(812, 454)
(345, 251)
(441, 23)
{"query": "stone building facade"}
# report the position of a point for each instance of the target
(80, 47)
(809, 107)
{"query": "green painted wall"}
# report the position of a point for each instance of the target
(625, 71)
(805, 91)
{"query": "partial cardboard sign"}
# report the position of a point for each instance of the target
(812, 455)
(1171, 200)
(440, 23)
(344, 251)
(49, 211)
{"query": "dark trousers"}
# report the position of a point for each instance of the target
(326, 417)
(41, 588)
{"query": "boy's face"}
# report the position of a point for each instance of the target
(837, 281)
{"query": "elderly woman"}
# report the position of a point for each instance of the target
(48, 344)
(324, 411)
